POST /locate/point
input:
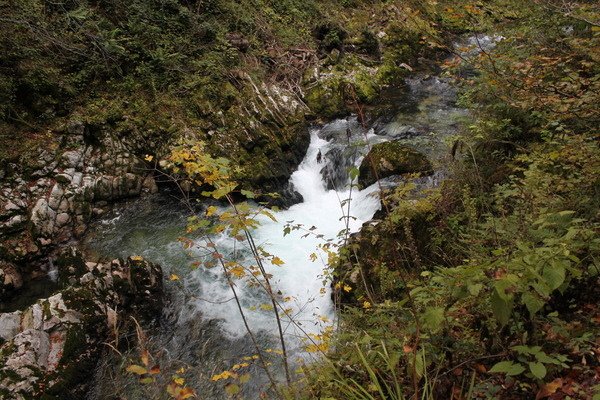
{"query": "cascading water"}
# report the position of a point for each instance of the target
(301, 279)
(202, 327)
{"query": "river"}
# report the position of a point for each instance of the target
(201, 329)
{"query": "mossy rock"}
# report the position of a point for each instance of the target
(392, 158)
(367, 87)
(381, 255)
(326, 100)
(71, 265)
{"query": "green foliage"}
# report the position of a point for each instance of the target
(502, 293)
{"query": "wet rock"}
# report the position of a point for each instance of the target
(150, 185)
(10, 279)
(392, 158)
(397, 131)
(68, 184)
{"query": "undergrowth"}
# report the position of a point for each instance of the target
(488, 287)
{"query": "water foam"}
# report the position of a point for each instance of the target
(299, 278)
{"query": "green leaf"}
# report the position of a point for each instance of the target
(537, 369)
(508, 367)
(546, 359)
(269, 214)
(501, 308)
(532, 302)
(248, 194)
(554, 274)
(501, 287)
(232, 389)
(353, 172)
(523, 349)
(433, 318)
(419, 364)
(475, 288)
(542, 288)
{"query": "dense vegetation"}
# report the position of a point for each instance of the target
(154, 72)
(486, 287)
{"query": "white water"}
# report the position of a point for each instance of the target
(299, 278)
(201, 326)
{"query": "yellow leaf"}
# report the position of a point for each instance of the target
(210, 211)
(136, 258)
(148, 157)
(275, 351)
(173, 390)
(269, 214)
(238, 271)
(173, 277)
(238, 366)
(347, 288)
(186, 393)
(367, 305)
(145, 357)
(181, 370)
(136, 369)
(277, 261)
(179, 381)
(223, 375)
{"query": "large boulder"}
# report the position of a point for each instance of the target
(392, 158)
(50, 348)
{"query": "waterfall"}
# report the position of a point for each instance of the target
(323, 217)
(201, 327)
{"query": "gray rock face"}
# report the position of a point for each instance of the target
(66, 186)
(55, 342)
(10, 325)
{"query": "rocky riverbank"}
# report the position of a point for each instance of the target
(49, 348)
(51, 202)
